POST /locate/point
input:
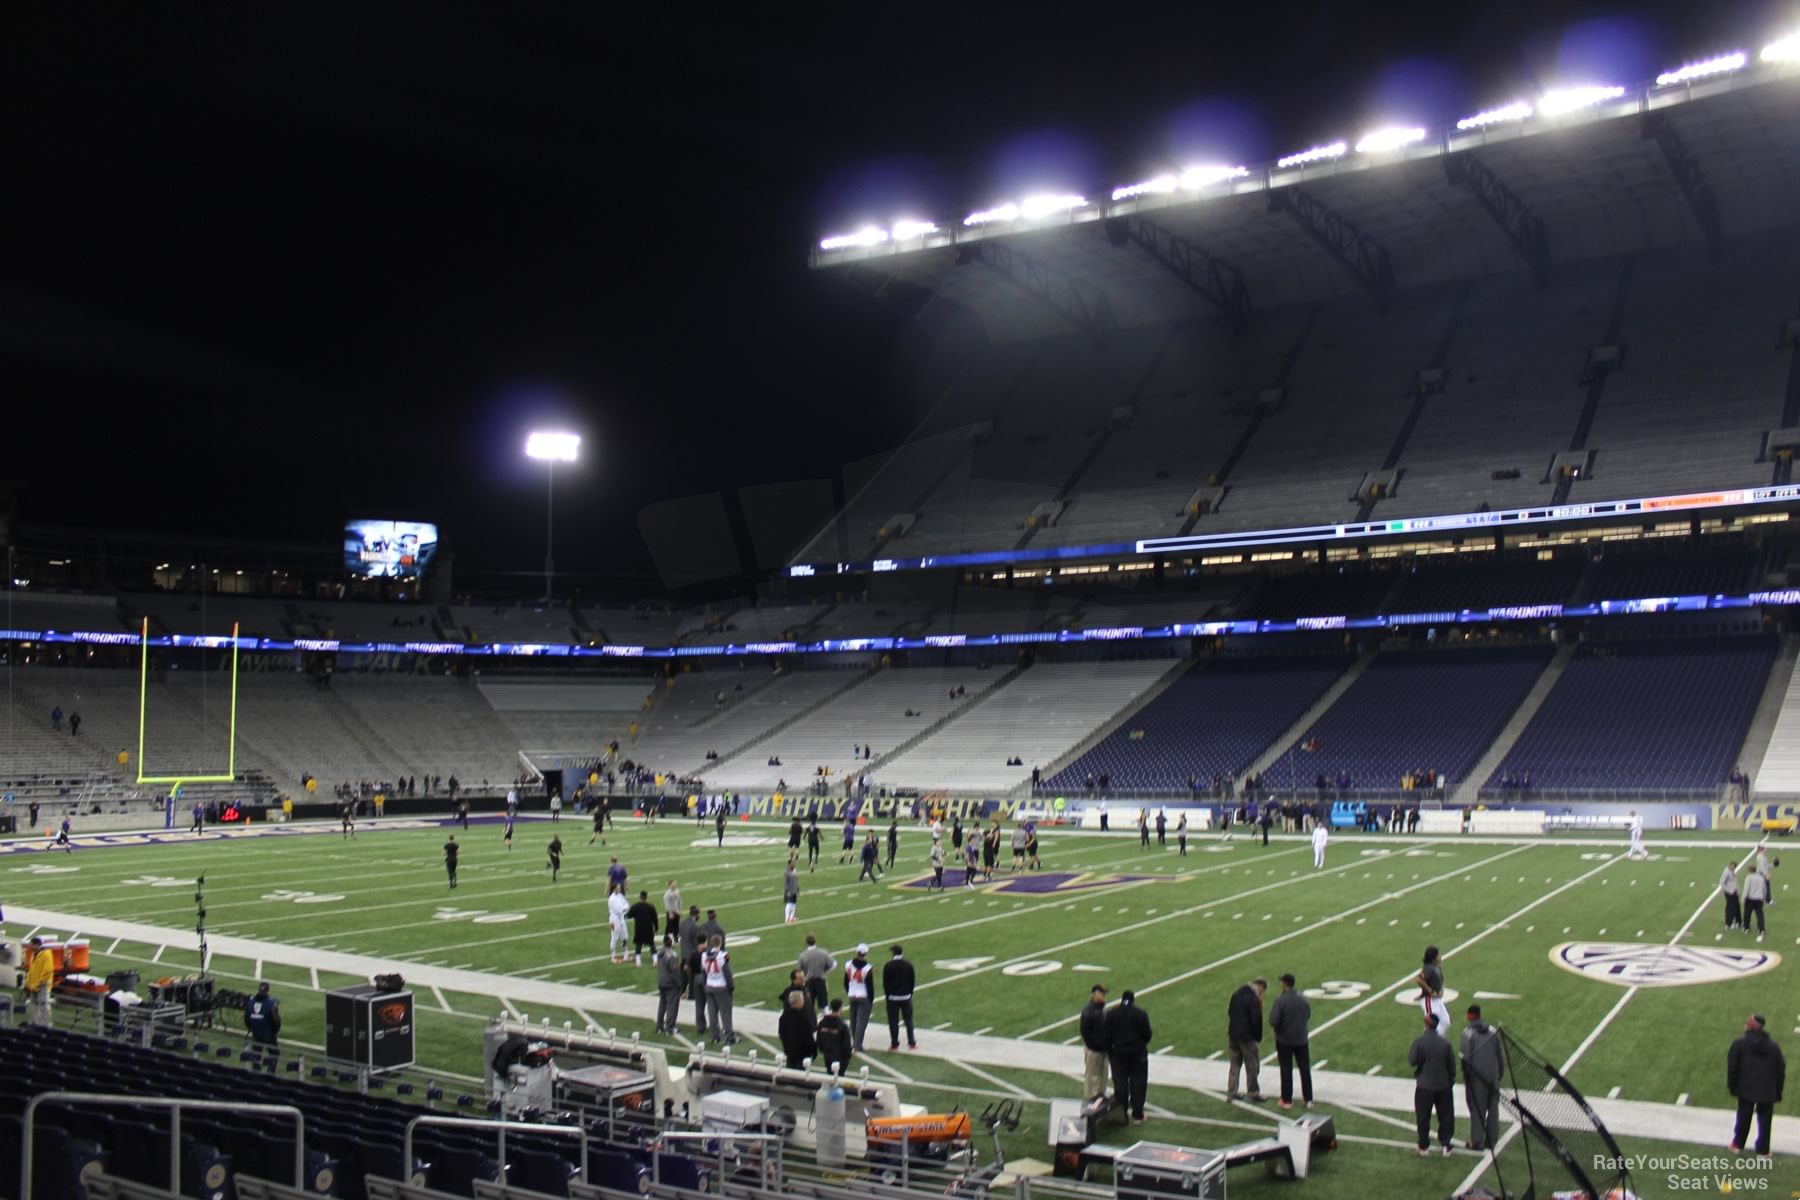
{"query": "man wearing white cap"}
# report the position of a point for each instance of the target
(858, 990)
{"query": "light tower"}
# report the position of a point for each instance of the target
(551, 448)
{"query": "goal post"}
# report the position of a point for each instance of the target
(175, 781)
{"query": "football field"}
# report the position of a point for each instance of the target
(1619, 971)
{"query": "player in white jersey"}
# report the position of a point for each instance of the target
(615, 916)
(1637, 837)
(1431, 991)
(1319, 837)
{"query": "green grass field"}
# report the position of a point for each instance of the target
(1004, 962)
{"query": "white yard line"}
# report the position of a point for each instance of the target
(1587, 1043)
(998, 1082)
(1257, 949)
(439, 994)
(315, 977)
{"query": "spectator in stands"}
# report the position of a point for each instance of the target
(1037, 778)
(1434, 1071)
(74, 723)
(34, 815)
(56, 716)
(1244, 1030)
(1105, 781)
(1756, 1075)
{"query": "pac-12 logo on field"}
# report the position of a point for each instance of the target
(1634, 964)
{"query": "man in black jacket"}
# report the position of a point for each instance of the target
(1434, 1090)
(1127, 1029)
(1244, 1032)
(1095, 1048)
(897, 990)
(1755, 1073)
(796, 1030)
(1288, 1018)
(834, 1040)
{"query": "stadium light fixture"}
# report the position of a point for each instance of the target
(1785, 49)
(868, 235)
(987, 216)
(1162, 183)
(1390, 138)
(903, 230)
(1566, 100)
(1195, 178)
(551, 448)
(1044, 205)
(1700, 70)
(1316, 154)
(1518, 110)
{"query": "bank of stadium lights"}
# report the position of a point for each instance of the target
(1700, 70)
(1193, 179)
(866, 236)
(1316, 154)
(1391, 138)
(907, 230)
(1785, 49)
(1516, 111)
(1571, 99)
(1029, 208)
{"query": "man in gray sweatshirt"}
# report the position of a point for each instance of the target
(1728, 887)
(1288, 1018)
(1483, 1061)
(668, 986)
(817, 964)
(1756, 894)
(1434, 1090)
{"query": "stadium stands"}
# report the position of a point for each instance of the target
(1037, 717)
(1184, 733)
(1626, 573)
(1334, 591)
(516, 624)
(677, 737)
(1643, 718)
(1416, 710)
(1779, 774)
(60, 611)
(1486, 582)
(874, 714)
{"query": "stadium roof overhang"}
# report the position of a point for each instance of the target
(1698, 163)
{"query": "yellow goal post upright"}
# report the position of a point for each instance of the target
(175, 781)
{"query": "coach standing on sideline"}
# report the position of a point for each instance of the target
(1482, 1065)
(1244, 1033)
(1434, 1070)
(668, 985)
(1128, 1034)
(1755, 1073)
(817, 964)
(1095, 1048)
(897, 990)
(1288, 1018)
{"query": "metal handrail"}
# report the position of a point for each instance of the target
(501, 1126)
(174, 1106)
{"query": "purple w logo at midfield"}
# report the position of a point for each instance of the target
(1038, 883)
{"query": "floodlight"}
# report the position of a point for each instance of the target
(1195, 178)
(1006, 212)
(912, 229)
(553, 447)
(868, 235)
(1516, 111)
(1043, 206)
(1162, 183)
(1785, 49)
(1390, 138)
(1334, 150)
(1699, 70)
(1565, 100)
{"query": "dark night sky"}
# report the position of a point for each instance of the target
(264, 266)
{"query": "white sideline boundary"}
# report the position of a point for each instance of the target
(1625, 1118)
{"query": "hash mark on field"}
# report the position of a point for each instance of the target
(512, 1008)
(982, 1030)
(1640, 933)
(1070, 1041)
(1165, 1049)
(1237, 916)
(1426, 925)
(940, 1026)
(1529, 928)
(1216, 1054)
(1614, 1093)
(1360, 920)
(1268, 916)
(115, 945)
(1393, 922)
(1602, 931)
(1321, 1063)
(1682, 1099)
(1374, 1070)
(1460, 924)
(157, 957)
